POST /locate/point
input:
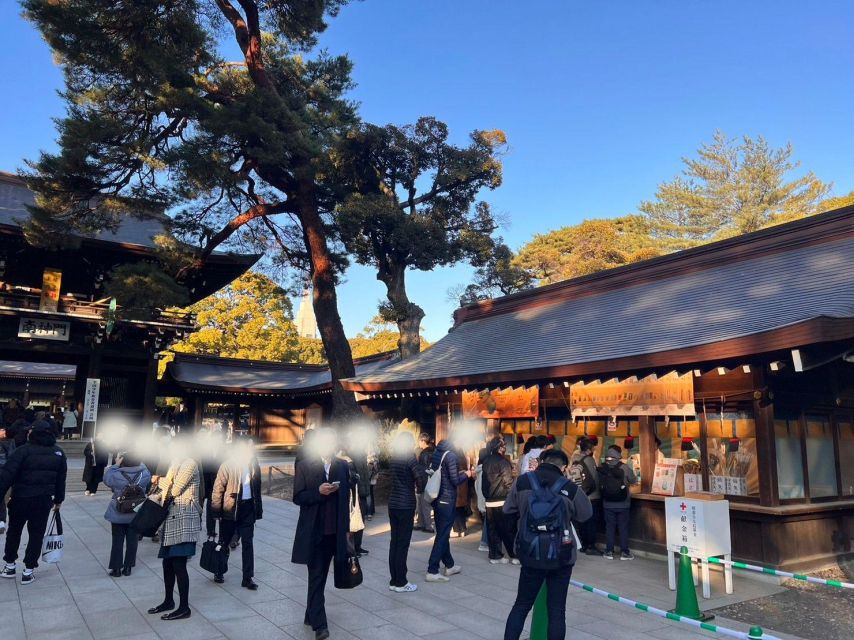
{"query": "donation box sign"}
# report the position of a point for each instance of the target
(700, 525)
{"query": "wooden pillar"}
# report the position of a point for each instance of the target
(149, 398)
(766, 446)
(648, 451)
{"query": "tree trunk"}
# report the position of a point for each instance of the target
(406, 314)
(344, 406)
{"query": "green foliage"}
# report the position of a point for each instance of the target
(310, 351)
(378, 336)
(731, 187)
(500, 276)
(141, 289)
(251, 318)
(585, 248)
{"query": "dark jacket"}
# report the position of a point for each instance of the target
(497, 477)
(451, 475)
(96, 459)
(309, 475)
(579, 505)
(18, 432)
(228, 488)
(36, 469)
(405, 475)
(425, 457)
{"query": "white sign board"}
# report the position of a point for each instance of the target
(700, 525)
(44, 329)
(664, 476)
(90, 399)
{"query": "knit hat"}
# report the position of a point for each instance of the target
(614, 451)
(42, 425)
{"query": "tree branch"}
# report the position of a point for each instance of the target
(258, 211)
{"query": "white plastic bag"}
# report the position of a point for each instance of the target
(52, 543)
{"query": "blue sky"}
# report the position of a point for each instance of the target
(599, 100)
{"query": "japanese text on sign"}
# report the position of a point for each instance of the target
(44, 329)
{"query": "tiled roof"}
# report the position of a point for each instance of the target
(725, 299)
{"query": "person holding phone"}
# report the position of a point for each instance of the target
(322, 492)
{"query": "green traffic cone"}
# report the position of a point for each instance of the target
(686, 595)
(540, 619)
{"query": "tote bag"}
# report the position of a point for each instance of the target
(348, 573)
(214, 557)
(357, 523)
(52, 543)
(434, 483)
(150, 515)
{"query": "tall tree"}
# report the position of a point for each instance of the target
(158, 118)
(585, 248)
(414, 207)
(731, 187)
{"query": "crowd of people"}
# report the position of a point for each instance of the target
(539, 511)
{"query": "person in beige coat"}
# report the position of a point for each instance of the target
(180, 531)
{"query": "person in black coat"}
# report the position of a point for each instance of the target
(36, 473)
(96, 459)
(496, 483)
(321, 490)
(406, 473)
(423, 508)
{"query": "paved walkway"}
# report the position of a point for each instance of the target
(76, 599)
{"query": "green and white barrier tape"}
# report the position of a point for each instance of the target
(783, 574)
(754, 634)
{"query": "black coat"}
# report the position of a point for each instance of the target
(497, 477)
(96, 459)
(405, 475)
(36, 469)
(309, 476)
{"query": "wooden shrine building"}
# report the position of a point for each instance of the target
(56, 325)
(735, 359)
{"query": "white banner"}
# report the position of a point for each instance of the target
(90, 399)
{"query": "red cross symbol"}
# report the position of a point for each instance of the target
(683, 506)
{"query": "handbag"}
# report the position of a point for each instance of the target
(357, 523)
(214, 557)
(52, 544)
(348, 573)
(151, 515)
(434, 483)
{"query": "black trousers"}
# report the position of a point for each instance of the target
(589, 529)
(318, 570)
(530, 581)
(210, 520)
(500, 528)
(244, 526)
(398, 550)
(32, 512)
(125, 542)
(614, 519)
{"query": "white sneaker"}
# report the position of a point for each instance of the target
(2, 527)
(515, 561)
(483, 547)
(27, 577)
(391, 588)
(87, 493)
(407, 588)
(8, 571)
(499, 561)
(452, 571)
(436, 577)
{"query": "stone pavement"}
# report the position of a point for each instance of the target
(76, 599)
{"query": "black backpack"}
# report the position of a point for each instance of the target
(580, 474)
(132, 495)
(613, 482)
(545, 540)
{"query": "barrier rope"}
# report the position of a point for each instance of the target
(783, 574)
(754, 634)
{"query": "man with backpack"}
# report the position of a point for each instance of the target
(614, 480)
(546, 503)
(582, 471)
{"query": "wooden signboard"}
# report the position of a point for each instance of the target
(51, 284)
(651, 396)
(522, 402)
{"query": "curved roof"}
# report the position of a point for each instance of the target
(793, 283)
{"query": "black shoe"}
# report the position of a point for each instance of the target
(218, 578)
(115, 573)
(126, 571)
(592, 551)
(163, 606)
(178, 614)
(362, 552)
(321, 634)
(249, 584)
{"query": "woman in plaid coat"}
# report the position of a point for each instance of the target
(179, 533)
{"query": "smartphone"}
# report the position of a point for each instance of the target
(337, 483)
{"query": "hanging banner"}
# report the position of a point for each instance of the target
(651, 396)
(522, 402)
(51, 283)
(90, 399)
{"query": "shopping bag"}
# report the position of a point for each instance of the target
(357, 523)
(52, 543)
(214, 557)
(348, 572)
(150, 515)
(434, 484)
